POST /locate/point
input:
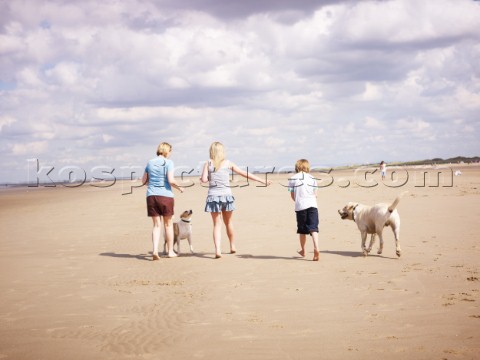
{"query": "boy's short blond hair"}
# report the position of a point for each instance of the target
(302, 165)
(163, 149)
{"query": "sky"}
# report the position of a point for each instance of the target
(99, 84)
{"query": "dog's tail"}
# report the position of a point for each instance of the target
(396, 201)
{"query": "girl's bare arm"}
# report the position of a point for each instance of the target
(204, 177)
(247, 175)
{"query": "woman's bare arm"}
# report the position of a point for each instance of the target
(172, 182)
(145, 178)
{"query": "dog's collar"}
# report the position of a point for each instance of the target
(353, 213)
(186, 221)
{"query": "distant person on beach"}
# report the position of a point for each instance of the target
(383, 169)
(303, 190)
(220, 202)
(160, 199)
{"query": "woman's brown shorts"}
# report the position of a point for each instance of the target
(159, 205)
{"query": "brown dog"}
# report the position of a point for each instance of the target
(182, 230)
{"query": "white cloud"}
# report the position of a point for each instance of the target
(373, 123)
(409, 21)
(350, 128)
(261, 131)
(274, 142)
(87, 80)
(9, 44)
(29, 77)
(177, 82)
(6, 120)
(33, 148)
(131, 114)
(107, 138)
(372, 92)
(413, 124)
(468, 99)
(64, 73)
(469, 129)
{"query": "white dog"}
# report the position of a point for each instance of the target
(372, 220)
(182, 230)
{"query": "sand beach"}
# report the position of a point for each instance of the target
(77, 279)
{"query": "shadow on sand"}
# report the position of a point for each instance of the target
(356, 254)
(269, 257)
(148, 257)
(128, 256)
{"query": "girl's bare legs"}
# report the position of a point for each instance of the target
(156, 234)
(168, 224)
(316, 253)
(227, 219)
(217, 233)
(303, 240)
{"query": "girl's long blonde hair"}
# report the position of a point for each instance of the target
(217, 154)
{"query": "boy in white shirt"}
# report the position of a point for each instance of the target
(303, 190)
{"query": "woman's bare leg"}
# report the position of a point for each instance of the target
(168, 224)
(156, 235)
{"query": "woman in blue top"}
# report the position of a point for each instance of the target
(220, 200)
(159, 179)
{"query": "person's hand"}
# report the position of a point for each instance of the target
(268, 182)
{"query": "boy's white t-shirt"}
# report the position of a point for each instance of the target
(303, 185)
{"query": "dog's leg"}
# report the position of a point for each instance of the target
(176, 240)
(189, 238)
(396, 233)
(372, 241)
(364, 239)
(380, 248)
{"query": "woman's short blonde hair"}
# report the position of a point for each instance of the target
(217, 154)
(163, 149)
(302, 165)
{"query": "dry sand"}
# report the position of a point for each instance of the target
(77, 280)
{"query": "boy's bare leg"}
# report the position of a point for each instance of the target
(303, 240)
(316, 253)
